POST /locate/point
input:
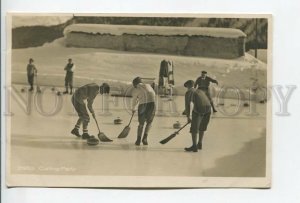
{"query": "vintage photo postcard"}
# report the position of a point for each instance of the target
(138, 100)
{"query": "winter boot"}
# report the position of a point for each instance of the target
(138, 141)
(199, 145)
(67, 91)
(75, 132)
(139, 134)
(193, 148)
(85, 136)
(144, 140)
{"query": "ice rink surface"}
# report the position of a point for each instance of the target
(234, 146)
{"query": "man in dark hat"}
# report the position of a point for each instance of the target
(203, 83)
(143, 96)
(200, 114)
(31, 72)
(69, 68)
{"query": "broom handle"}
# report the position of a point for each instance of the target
(182, 127)
(130, 119)
(97, 124)
(36, 80)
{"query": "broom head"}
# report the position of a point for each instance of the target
(125, 132)
(102, 137)
(164, 141)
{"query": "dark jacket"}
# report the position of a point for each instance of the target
(164, 69)
(203, 83)
(87, 92)
(69, 67)
(31, 69)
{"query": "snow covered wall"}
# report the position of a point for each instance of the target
(190, 41)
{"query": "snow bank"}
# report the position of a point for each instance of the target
(154, 30)
(189, 41)
(118, 68)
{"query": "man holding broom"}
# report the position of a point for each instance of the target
(87, 92)
(143, 95)
(200, 114)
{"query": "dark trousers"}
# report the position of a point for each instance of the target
(69, 79)
(205, 90)
(82, 112)
(199, 122)
(30, 80)
(146, 113)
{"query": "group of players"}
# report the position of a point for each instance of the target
(143, 101)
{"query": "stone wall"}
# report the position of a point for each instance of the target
(203, 46)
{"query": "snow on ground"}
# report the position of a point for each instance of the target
(233, 146)
(262, 54)
(101, 65)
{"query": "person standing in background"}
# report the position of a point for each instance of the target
(203, 84)
(31, 72)
(69, 68)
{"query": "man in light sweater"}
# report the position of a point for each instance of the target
(143, 96)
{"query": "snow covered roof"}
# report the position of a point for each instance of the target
(154, 30)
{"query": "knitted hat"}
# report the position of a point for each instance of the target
(189, 83)
(136, 81)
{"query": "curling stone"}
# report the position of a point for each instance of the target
(22, 90)
(246, 104)
(118, 121)
(176, 125)
(58, 93)
(92, 141)
(53, 89)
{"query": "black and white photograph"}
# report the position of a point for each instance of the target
(138, 100)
